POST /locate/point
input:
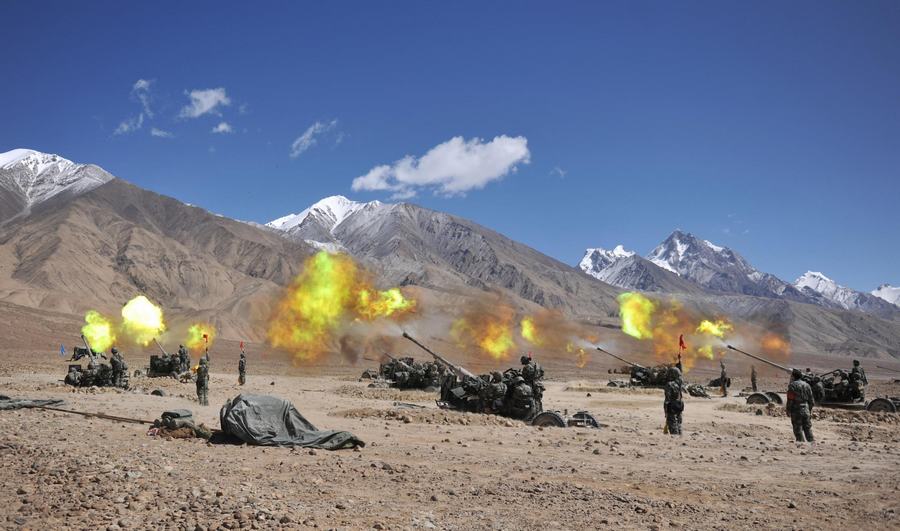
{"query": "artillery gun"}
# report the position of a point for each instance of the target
(507, 395)
(643, 376)
(96, 374)
(164, 365)
(406, 373)
(831, 389)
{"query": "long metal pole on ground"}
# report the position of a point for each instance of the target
(97, 415)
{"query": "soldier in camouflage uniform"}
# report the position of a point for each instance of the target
(119, 369)
(533, 374)
(203, 382)
(242, 369)
(753, 378)
(673, 404)
(799, 405)
(858, 381)
(184, 359)
(723, 378)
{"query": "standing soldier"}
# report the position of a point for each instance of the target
(242, 369)
(799, 405)
(753, 377)
(184, 359)
(116, 364)
(673, 404)
(858, 381)
(723, 378)
(203, 382)
(533, 374)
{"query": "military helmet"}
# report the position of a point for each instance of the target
(203, 360)
(674, 373)
(497, 376)
(180, 346)
(114, 350)
(525, 360)
(796, 374)
(856, 363)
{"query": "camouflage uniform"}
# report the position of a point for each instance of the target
(242, 369)
(533, 374)
(799, 405)
(753, 378)
(673, 404)
(184, 360)
(858, 381)
(203, 382)
(723, 378)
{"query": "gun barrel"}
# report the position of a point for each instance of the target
(457, 369)
(767, 362)
(620, 359)
(88, 346)
(161, 349)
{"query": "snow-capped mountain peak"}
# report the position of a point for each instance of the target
(32, 177)
(888, 293)
(597, 259)
(317, 224)
(847, 298)
(816, 281)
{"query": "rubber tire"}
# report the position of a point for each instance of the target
(881, 405)
(549, 419)
(774, 397)
(759, 399)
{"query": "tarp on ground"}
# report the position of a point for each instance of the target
(7, 403)
(271, 421)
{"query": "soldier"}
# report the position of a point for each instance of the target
(242, 369)
(116, 367)
(673, 404)
(858, 381)
(753, 377)
(184, 359)
(799, 406)
(533, 374)
(123, 374)
(203, 382)
(723, 378)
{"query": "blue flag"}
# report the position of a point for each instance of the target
(62, 351)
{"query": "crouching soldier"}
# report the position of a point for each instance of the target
(673, 404)
(799, 405)
(203, 382)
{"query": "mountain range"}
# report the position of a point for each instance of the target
(74, 237)
(718, 269)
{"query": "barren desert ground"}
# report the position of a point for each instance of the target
(427, 468)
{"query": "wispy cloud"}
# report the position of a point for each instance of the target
(309, 137)
(140, 92)
(160, 133)
(222, 128)
(207, 101)
(451, 168)
(130, 125)
(558, 172)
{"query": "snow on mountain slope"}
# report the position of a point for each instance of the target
(29, 178)
(888, 293)
(596, 260)
(318, 222)
(719, 268)
(813, 282)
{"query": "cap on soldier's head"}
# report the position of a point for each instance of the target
(114, 350)
(795, 373)
(855, 362)
(180, 346)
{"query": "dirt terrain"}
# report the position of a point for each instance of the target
(426, 468)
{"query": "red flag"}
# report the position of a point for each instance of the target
(242, 345)
(681, 344)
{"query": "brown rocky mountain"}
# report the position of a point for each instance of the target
(104, 244)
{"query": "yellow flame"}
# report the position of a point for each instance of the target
(707, 351)
(529, 331)
(195, 333)
(98, 330)
(491, 334)
(581, 357)
(330, 291)
(636, 312)
(717, 328)
(142, 320)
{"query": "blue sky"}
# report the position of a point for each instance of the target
(770, 127)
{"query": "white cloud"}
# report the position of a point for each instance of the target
(130, 125)
(205, 102)
(160, 133)
(558, 172)
(308, 138)
(141, 91)
(222, 128)
(451, 168)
